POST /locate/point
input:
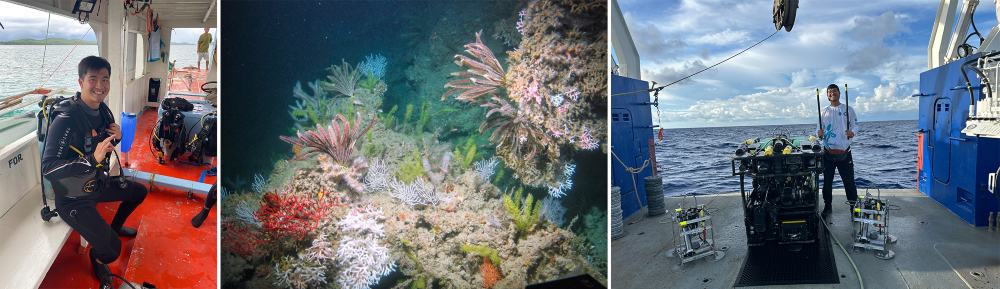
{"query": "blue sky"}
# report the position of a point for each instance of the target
(879, 48)
(24, 22)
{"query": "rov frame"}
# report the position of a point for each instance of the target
(870, 216)
(696, 238)
(782, 204)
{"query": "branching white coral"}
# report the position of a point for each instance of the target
(486, 168)
(363, 220)
(587, 141)
(379, 176)
(553, 211)
(566, 184)
(361, 254)
(321, 250)
(417, 193)
(297, 273)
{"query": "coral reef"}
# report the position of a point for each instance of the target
(482, 250)
(525, 212)
(554, 88)
(246, 212)
(553, 211)
(412, 168)
(483, 74)
(362, 256)
(485, 168)
(259, 183)
(241, 239)
(336, 140)
(291, 272)
(418, 193)
(435, 161)
(287, 216)
(418, 198)
(559, 190)
(506, 31)
(491, 275)
(379, 177)
(343, 79)
(374, 65)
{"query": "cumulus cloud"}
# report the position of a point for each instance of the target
(878, 49)
(23, 22)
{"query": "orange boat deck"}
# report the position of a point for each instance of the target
(168, 252)
(187, 79)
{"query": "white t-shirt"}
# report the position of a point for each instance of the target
(835, 127)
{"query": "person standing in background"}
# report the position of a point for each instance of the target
(204, 41)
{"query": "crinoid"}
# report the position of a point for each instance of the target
(336, 140)
(483, 74)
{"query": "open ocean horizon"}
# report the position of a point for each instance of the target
(697, 160)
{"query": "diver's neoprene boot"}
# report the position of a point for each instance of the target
(127, 232)
(199, 218)
(101, 271)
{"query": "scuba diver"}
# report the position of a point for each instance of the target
(76, 156)
(836, 131)
(209, 203)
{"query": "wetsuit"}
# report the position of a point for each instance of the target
(80, 182)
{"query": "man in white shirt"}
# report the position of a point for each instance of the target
(836, 133)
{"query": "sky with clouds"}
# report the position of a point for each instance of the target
(23, 22)
(879, 48)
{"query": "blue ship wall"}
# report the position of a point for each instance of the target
(631, 131)
(956, 166)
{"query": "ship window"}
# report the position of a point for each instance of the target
(946, 107)
(614, 117)
(625, 117)
(938, 108)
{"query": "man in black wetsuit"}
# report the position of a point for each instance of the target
(76, 157)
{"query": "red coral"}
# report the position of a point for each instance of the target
(292, 216)
(240, 239)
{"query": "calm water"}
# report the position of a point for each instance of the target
(697, 160)
(22, 70)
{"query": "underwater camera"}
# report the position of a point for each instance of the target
(781, 205)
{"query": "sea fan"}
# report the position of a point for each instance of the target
(486, 168)
(379, 176)
(416, 193)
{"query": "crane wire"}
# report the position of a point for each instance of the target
(702, 70)
(45, 46)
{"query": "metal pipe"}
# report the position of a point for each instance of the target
(151, 180)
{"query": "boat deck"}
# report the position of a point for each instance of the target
(936, 249)
(168, 252)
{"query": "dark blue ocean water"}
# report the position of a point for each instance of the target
(697, 160)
